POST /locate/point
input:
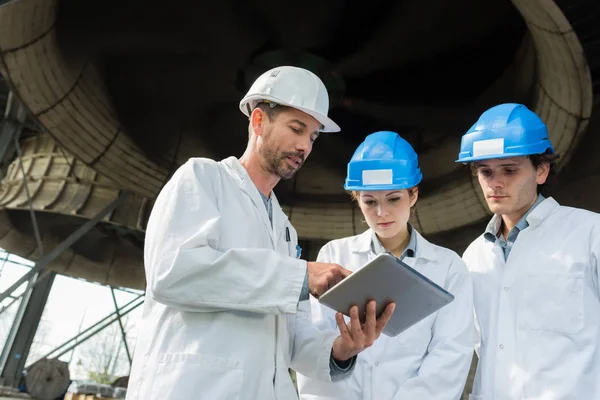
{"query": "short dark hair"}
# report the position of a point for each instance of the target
(546, 189)
(537, 160)
(272, 110)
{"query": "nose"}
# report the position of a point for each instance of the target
(496, 181)
(382, 209)
(304, 145)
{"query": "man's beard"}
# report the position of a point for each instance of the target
(277, 163)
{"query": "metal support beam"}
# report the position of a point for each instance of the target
(14, 118)
(39, 279)
(16, 322)
(92, 330)
(15, 352)
(123, 334)
(65, 244)
(16, 348)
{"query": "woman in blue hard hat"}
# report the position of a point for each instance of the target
(535, 269)
(431, 359)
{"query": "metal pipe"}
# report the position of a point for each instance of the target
(75, 236)
(94, 333)
(123, 334)
(37, 281)
(89, 329)
(40, 279)
(15, 325)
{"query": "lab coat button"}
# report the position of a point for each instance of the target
(505, 289)
(376, 363)
(501, 347)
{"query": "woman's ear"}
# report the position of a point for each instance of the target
(413, 194)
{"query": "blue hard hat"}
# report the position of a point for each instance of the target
(384, 161)
(503, 131)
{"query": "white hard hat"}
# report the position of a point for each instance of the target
(293, 87)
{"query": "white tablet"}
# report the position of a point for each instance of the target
(386, 279)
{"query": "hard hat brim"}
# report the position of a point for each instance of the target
(499, 156)
(328, 124)
(377, 188)
(490, 157)
(325, 121)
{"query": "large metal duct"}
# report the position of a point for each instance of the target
(562, 97)
(134, 104)
(64, 194)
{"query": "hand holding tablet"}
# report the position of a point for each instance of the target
(386, 279)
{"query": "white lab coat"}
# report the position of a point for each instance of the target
(221, 317)
(538, 314)
(428, 361)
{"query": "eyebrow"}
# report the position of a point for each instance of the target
(299, 122)
(303, 125)
(394, 192)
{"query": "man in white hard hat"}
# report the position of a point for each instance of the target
(224, 315)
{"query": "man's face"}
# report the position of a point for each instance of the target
(286, 141)
(510, 184)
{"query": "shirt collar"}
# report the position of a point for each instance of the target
(493, 228)
(266, 199)
(411, 248)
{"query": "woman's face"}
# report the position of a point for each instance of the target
(387, 211)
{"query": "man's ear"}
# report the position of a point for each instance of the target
(257, 121)
(542, 173)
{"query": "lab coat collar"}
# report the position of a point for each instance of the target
(362, 244)
(239, 173)
(534, 218)
(542, 211)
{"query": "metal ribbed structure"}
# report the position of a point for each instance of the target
(67, 95)
(65, 193)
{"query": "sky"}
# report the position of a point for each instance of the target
(72, 306)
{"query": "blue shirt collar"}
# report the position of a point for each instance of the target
(492, 231)
(411, 248)
(268, 205)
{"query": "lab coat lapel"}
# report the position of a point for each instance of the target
(279, 219)
(410, 261)
(250, 189)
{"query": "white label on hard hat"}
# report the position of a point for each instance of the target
(488, 147)
(377, 177)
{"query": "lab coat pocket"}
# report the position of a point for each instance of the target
(553, 301)
(198, 376)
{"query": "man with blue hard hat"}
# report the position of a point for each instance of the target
(431, 359)
(534, 270)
